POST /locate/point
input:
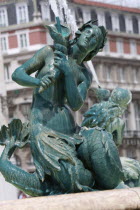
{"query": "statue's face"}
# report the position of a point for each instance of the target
(89, 38)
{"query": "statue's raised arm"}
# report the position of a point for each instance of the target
(22, 74)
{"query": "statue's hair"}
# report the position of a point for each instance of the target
(99, 46)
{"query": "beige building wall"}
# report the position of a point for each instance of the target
(7, 191)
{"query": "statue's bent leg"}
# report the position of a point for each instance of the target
(131, 169)
(29, 183)
(58, 159)
(74, 178)
(99, 154)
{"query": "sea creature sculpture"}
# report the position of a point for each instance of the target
(68, 158)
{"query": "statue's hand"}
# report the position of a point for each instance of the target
(47, 80)
(61, 62)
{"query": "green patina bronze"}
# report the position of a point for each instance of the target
(68, 158)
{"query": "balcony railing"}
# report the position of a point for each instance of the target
(132, 134)
(131, 141)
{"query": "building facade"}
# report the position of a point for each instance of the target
(23, 33)
(118, 64)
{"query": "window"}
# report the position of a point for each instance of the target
(11, 111)
(29, 160)
(18, 160)
(121, 74)
(135, 25)
(129, 25)
(23, 42)
(50, 41)
(101, 18)
(126, 120)
(97, 72)
(22, 13)
(137, 114)
(108, 73)
(45, 11)
(52, 16)
(122, 23)
(4, 44)
(136, 75)
(131, 152)
(133, 47)
(106, 47)
(79, 15)
(115, 22)
(3, 17)
(95, 66)
(108, 21)
(94, 16)
(7, 73)
(25, 109)
(120, 46)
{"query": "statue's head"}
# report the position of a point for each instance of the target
(121, 96)
(90, 38)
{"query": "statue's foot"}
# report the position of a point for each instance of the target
(122, 185)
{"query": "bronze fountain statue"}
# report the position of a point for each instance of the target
(68, 158)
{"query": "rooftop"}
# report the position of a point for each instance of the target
(123, 3)
(111, 4)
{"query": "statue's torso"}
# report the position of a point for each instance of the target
(49, 107)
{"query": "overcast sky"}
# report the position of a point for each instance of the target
(129, 3)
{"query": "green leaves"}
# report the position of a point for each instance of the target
(16, 132)
(3, 135)
(101, 114)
